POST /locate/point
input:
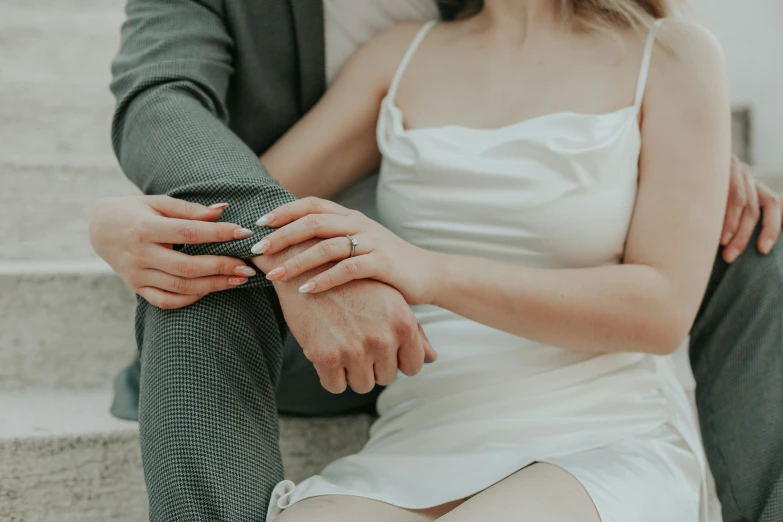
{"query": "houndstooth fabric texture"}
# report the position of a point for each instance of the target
(737, 359)
(194, 110)
(207, 409)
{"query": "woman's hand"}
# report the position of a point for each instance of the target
(134, 235)
(379, 254)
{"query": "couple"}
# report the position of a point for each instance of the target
(553, 183)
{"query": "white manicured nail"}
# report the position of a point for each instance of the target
(306, 288)
(264, 220)
(260, 247)
(243, 233)
(245, 271)
(277, 273)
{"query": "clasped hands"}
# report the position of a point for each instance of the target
(309, 253)
(360, 331)
(379, 254)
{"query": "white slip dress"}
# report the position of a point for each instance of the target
(556, 191)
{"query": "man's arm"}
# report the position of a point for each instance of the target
(170, 129)
(171, 136)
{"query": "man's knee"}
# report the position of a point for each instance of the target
(173, 333)
(739, 325)
(757, 279)
(223, 334)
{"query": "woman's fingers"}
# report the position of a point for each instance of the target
(178, 208)
(359, 267)
(772, 218)
(328, 250)
(736, 203)
(166, 300)
(186, 286)
(183, 265)
(748, 221)
(297, 209)
(175, 231)
(309, 227)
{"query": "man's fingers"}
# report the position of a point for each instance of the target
(772, 218)
(187, 232)
(385, 371)
(166, 300)
(748, 221)
(289, 212)
(183, 265)
(430, 355)
(333, 380)
(178, 208)
(309, 227)
(410, 356)
(361, 377)
(736, 203)
(185, 286)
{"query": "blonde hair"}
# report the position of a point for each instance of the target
(599, 15)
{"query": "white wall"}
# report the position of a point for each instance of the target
(751, 32)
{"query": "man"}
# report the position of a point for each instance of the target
(203, 88)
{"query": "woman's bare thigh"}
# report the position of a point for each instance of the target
(540, 492)
(344, 508)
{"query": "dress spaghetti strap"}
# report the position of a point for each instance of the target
(645, 68)
(391, 95)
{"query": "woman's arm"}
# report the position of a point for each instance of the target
(646, 305)
(334, 145)
(649, 303)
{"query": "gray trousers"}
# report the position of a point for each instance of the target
(213, 377)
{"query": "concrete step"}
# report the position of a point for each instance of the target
(55, 103)
(69, 40)
(45, 207)
(63, 326)
(66, 460)
(55, 122)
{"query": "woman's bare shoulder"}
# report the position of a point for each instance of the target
(688, 63)
(687, 50)
(377, 60)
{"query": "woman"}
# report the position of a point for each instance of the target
(537, 206)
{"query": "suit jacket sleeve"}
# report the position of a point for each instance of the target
(170, 129)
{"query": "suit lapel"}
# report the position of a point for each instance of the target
(309, 28)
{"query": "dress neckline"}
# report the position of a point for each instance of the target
(389, 101)
(390, 104)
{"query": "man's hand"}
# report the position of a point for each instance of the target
(135, 234)
(357, 335)
(749, 200)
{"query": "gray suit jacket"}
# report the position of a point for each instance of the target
(203, 87)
